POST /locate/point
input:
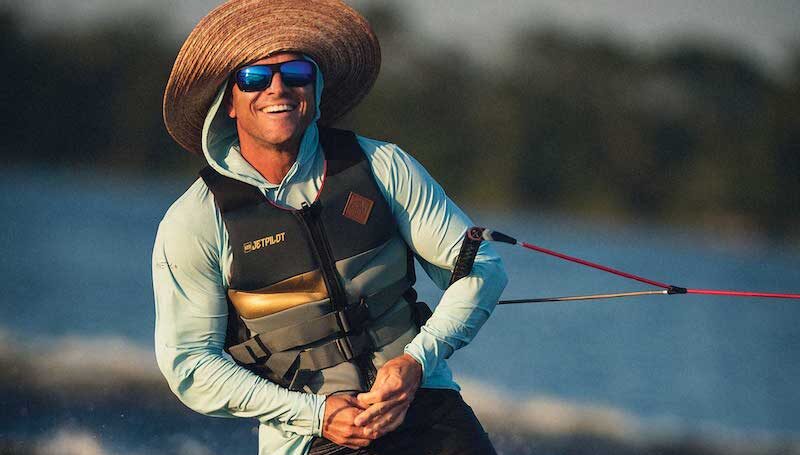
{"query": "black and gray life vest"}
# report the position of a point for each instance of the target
(320, 297)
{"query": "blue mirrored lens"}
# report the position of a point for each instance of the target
(297, 73)
(254, 78)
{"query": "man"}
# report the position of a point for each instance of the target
(283, 275)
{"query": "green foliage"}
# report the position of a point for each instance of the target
(693, 133)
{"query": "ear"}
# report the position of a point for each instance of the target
(227, 101)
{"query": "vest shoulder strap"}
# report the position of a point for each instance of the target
(341, 149)
(230, 194)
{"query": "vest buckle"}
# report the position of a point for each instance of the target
(344, 321)
(352, 346)
(299, 379)
(352, 318)
(345, 347)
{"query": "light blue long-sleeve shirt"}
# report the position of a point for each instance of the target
(192, 265)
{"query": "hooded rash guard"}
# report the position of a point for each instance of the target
(192, 265)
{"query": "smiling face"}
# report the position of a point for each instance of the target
(276, 117)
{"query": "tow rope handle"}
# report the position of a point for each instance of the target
(466, 257)
(475, 235)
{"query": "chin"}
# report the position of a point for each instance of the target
(280, 140)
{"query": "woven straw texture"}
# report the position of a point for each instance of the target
(239, 32)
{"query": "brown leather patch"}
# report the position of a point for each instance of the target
(358, 208)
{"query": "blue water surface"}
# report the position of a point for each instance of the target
(76, 258)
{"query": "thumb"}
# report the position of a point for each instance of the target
(370, 397)
(351, 400)
(375, 393)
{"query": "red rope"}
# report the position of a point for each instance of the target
(593, 265)
(656, 283)
(771, 295)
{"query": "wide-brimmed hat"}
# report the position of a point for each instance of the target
(239, 32)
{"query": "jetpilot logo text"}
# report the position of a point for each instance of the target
(249, 247)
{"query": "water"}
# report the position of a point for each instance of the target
(76, 260)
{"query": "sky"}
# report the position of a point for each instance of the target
(763, 30)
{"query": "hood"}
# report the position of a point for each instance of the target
(221, 141)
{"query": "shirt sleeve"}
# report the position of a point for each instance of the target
(191, 322)
(434, 227)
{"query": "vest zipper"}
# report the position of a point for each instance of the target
(310, 219)
(309, 215)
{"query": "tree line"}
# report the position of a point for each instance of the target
(692, 133)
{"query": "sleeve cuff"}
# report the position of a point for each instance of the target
(307, 416)
(316, 428)
(428, 351)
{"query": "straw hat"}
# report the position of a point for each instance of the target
(239, 32)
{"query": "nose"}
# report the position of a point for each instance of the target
(277, 85)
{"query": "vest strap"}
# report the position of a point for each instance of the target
(352, 319)
(329, 354)
(236, 195)
(269, 348)
(283, 350)
(345, 321)
(305, 362)
(393, 326)
(380, 302)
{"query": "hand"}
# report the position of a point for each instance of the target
(338, 426)
(387, 402)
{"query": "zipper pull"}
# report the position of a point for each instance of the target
(309, 210)
(305, 210)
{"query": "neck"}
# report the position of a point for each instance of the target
(273, 163)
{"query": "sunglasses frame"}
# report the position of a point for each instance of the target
(274, 68)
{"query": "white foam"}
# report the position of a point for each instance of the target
(71, 442)
(80, 361)
(96, 361)
(74, 441)
(113, 364)
(547, 415)
(533, 416)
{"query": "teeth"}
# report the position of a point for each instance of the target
(278, 108)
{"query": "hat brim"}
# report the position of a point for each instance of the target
(239, 32)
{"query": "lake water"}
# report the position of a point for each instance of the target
(76, 261)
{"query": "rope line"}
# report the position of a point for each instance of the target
(488, 234)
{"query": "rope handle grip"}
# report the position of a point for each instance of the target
(466, 257)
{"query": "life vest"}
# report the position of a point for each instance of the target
(320, 297)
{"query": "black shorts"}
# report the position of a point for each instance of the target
(438, 422)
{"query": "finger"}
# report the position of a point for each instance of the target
(354, 443)
(375, 393)
(350, 436)
(388, 422)
(375, 411)
(353, 401)
(387, 391)
(358, 435)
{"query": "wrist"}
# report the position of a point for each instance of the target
(411, 352)
(415, 366)
(412, 361)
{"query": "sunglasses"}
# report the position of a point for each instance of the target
(294, 73)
